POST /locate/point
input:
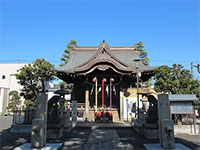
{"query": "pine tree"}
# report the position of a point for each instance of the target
(14, 102)
(143, 54)
(145, 59)
(70, 47)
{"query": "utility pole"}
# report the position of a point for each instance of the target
(137, 78)
(138, 102)
(198, 67)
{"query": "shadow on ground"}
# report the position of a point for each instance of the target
(131, 140)
(77, 139)
(9, 140)
(191, 141)
(73, 140)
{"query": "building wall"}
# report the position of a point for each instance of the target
(126, 107)
(3, 99)
(8, 81)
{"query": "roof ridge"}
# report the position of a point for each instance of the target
(109, 46)
(103, 47)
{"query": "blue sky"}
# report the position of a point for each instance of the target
(170, 29)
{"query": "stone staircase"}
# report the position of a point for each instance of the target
(91, 116)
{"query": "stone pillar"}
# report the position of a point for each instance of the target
(39, 125)
(86, 105)
(144, 102)
(62, 114)
(74, 114)
(166, 129)
(68, 115)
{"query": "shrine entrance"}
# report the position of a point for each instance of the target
(100, 76)
(103, 86)
(99, 91)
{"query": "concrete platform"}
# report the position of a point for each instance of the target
(21, 128)
(178, 146)
(49, 146)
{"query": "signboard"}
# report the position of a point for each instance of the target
(181, 108)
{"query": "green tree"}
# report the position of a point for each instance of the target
(33, 78)
(175, 80)
(145, 59)
(143, 54)
(70, 47)
(65, 84)
(14, 102)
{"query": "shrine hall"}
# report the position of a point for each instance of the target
(101, 75)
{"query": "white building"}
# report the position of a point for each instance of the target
(8, 82)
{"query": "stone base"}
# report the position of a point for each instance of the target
(152, 134)
(49, 146)
(178, 146)
(54, 133)
(21, 128)
(150, 131)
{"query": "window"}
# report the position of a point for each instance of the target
(3, 77)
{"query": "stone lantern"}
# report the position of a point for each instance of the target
(63, 115)
(144, 93)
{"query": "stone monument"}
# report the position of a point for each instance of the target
(151, 119)
(74, 114)
(39, 125)
(166, 129)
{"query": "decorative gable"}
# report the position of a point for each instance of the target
(103, 55)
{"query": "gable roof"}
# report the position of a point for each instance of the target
(85, 58)
(103, 55)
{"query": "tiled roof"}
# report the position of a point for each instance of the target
(182, 97)
(122, 57)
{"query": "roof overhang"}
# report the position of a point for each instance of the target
(182, 97)
(102, 58)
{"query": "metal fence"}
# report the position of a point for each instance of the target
(27, 115)
(23, 115)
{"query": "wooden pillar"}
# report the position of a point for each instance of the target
(73, 92)
(86, 105)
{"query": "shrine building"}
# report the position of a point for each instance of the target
(101, 75)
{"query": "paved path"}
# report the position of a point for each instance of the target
(9, 140)
(93, 136)
(104, 139)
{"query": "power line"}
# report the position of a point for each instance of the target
(173, 61)
(17, 60)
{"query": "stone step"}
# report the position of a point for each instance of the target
(115, 116)
(91, 116)
(110, 140)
